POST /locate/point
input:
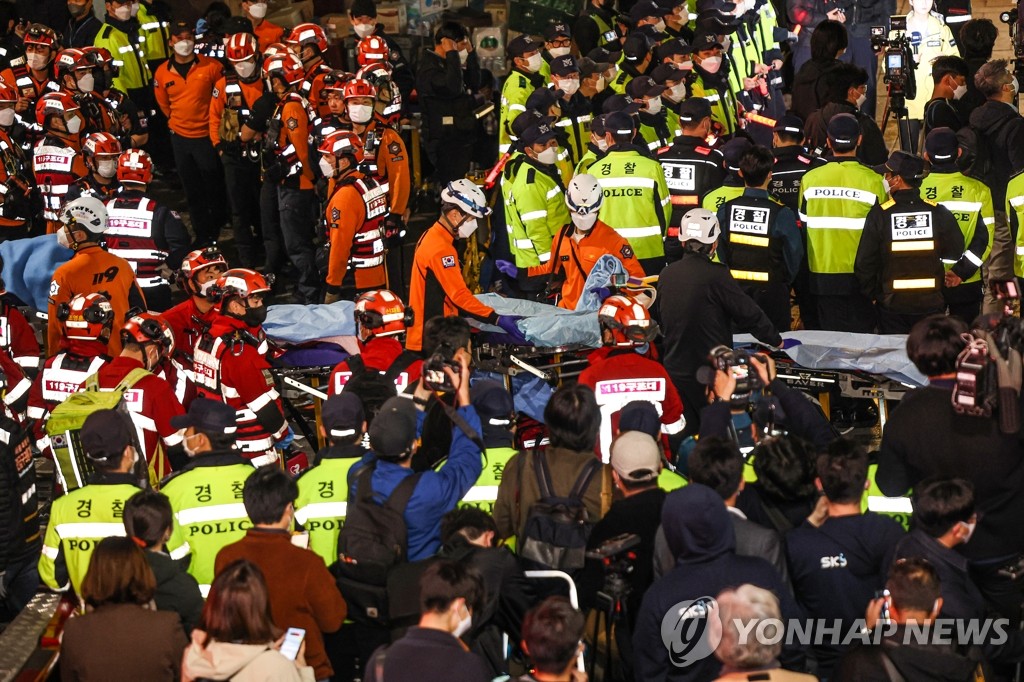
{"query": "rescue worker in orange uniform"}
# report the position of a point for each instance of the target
(337, 119)
(131, 124)
(57, 160)
(100, 151)
(309, 43)
(437, 287)
(32, 75)
(90, 270)
(354, 216)
(267, 31)
(17, 205)
(76, 74)
(183, 86)
(578, 245)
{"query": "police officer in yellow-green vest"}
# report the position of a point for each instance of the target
(493, 404)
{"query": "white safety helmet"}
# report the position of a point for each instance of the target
(699, 224)
(86, 213)
(584, 196)
(467, 196)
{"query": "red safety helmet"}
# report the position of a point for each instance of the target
(308, 34)
(381, 313)
(376, 74)
(100, 144)
(100, 57)
(629, 322)
(357, 87)
(239, 282)
(342, 143)
(285, 66)
(135, 165)
(197, 260)
(372, 50)
(86, 318)
(335, 81)
(38, 34)
(275, 49)
(8, 93)
(146, 328)
(54, 104)
(240, 46)
(70, 60)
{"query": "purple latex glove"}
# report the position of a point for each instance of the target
(507, 268)
(790, 343)
(601, 292)
(508, 324)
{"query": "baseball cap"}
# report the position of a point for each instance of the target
(644, 9)
(603, 55)
(721, 6)
(705, 41)
(621, 104)
(542, 98)
(342, 415)
(492, 402)
(588, 67)
(619, 123)
(526, 119)
(208, 416)
(565, 66)
(673, 47)
(105, 434)
(733, 151)
(559, 28)
(843, 129)
(789, 123)
(663, 73)
(180, 26)
(942, 145)
(393, 430)
(636, 47)
(597, 125)
(694, 109)
(644, 86)
(537, 134)
(642, 416)
(904, 164)
(522, 44)
(636, 456)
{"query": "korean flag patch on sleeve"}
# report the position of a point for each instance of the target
(448, 261)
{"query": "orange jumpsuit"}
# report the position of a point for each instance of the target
(346, 216)
(392, 163)
(295, 132)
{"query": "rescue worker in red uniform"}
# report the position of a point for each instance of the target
(146, 234)
(57, 160)
(17, 336)
(354, 216)
(578, 245)
(381, 317)
(437, 287)
(233, 98)
(90, 270)
(624, 371)
(17, 204)
(147, 341)
(15, 387)
(86, 321)
(229, 366)
(309, 42)
(32, 75)
(100, 151)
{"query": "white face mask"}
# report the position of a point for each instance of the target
(36, 61)
(7, 117)
(204, 288)
(861, 98)
(654, 105)
(548, 156)
(660, 26)
(886, 187)
(360, 113)
(464, 625)
(1016, 87)
(584, 223)
(183, 48)
(74, 125)
(258, 10)
(106, 168)
(676, 93)
(711, 64)
(970, 530)
(569, 87)
(364, 30)
(687, 65)
(87, 83)
(600, 84)
(245, 69)
(533, 63)
(467, 228)
(123, 12)
(557, 52)
(602, 144)
(683, 15)
(184, 445)
(463, 57)
(326, 168)
(959, 91)
(62, 238)
(135, 9)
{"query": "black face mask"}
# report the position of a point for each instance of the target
(255, 317)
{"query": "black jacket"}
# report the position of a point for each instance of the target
(810, 87)
(20, 536)
(1003, 128)
(872, 150)
(781, 516)
(925, 437)
(707, 304)
(176, 590)
(426, 654)
(444, 89)
(933, 662)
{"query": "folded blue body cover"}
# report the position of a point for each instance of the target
(545, 325)
(600, 277)
(29, 265)
(884, 354)
(305, 323)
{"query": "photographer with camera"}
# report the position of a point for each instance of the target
(925, 436)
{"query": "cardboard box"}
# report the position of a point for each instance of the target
(337, 26)
(393, 16)
(428, 7)
(498, 12)
(291, 14)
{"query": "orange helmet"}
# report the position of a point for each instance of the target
(357, 87)
(145, 328)
(372, 50)
(285, 66)
(101, 57)
(8, 93)
(197, 260)
(308, 34)
(71, 60)
(38, 34)
(239, 282)
(275, 49)
(342, 143)
(86, 318)
(240, 46)
(630, 323)
(54, 104)
(135, 165)
(100, 144)
(335, 81)
(381, 313)
(376, 74)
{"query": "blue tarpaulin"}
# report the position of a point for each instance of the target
(29, 265)
(545, 325)
(304, 323)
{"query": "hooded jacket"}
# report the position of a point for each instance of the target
(1002, 126)
(914, 661)
(176, 590)
(700, 534)
(239, 663)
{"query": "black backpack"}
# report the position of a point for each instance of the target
(557, 528)
(374, 387)
(373, 541)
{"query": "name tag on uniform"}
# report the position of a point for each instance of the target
(680, 176)
(749, 220)
(911, 226)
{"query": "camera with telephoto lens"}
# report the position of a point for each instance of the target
(898, 61)
(434, 376)
(738, 364)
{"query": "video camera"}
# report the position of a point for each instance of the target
(737, 363)
(898, 60)
(434, 376)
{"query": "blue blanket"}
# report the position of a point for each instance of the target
(303, 323)
(28, 267)
(545, 325)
